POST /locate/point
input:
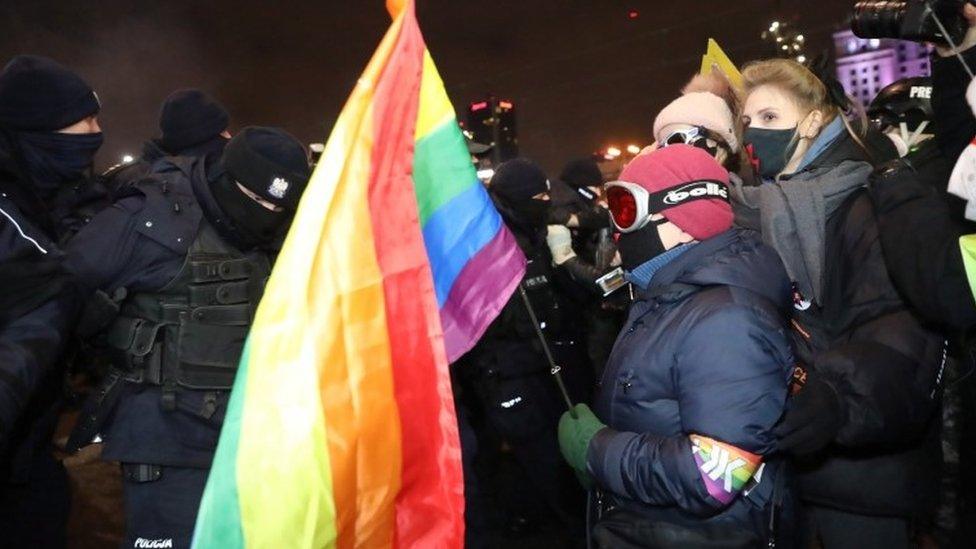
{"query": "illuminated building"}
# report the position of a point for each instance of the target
(865, 66)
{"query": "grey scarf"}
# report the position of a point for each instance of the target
(792, 217)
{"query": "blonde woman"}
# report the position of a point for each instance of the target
(860, 426)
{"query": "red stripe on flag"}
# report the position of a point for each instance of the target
(430, 506)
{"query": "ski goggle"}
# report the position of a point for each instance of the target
(697, 136)
(632, 206)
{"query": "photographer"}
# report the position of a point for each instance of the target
(920, 224)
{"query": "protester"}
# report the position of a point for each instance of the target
(706, 116)
(49, 135)
(190, 248)
(698, 377)
(863, 425)
(191, 123)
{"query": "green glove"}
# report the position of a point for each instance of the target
(575, 435)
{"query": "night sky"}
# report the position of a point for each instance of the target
(583, 74)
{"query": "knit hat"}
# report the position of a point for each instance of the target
(519, 179)
(699, 109)
(582, 172)
(690, 175)
(190, 117)
(270, 163)
(40, 94)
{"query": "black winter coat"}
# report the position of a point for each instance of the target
(866, 344)
(704, 353)
(920, 222)
(38, 307)
(920, 225)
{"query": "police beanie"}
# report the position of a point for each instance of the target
(582, 172)
(270, 163)
(188, 118)
(518, 180)
(691, 173)
(39, 94)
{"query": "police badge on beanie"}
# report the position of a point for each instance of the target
(269, 164)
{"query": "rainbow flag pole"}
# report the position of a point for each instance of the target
(341, 430)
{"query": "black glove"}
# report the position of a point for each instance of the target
(559, 215)
(812, 420)
(593, 219)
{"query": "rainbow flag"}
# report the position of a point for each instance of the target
(340, 430)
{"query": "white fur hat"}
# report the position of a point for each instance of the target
(699, 108)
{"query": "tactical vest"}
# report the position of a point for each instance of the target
(190, 334)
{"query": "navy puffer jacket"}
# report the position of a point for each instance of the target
(695, 383)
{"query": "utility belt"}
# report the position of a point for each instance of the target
(195, 348)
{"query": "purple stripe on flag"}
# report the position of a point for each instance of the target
(480, 291)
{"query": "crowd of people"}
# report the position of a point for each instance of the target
(749, 337)
(801, 288)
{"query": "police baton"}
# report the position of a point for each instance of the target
(554, 368)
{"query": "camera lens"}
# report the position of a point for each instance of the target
(878, 18)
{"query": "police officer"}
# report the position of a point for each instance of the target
(192, 247)
(511, 377)
(191, 123)
(581, 242)
(49, 134)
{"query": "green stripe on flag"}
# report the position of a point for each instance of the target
(442, 168)
(219, 518)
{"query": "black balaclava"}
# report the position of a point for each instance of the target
(641, 246)
(271, 164)
(52, 159)
(253, 224)
(515, 183)
(38, 97)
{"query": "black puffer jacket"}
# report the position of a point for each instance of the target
(866, 344)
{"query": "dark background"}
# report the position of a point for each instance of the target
(583, 74)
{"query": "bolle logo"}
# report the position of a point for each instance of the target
(921, 92)
(698, 189)
(143, 543)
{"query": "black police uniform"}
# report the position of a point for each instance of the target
(593, 242)
(40, 306)
(190, 298)
(516, 392)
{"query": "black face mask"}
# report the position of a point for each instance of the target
(770, 150)
(641, 246)
(53, 159)
(253, 224)
(534, 212)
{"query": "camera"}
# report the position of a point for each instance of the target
(910, 20)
